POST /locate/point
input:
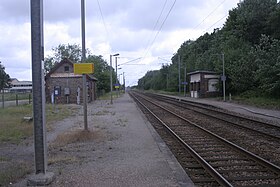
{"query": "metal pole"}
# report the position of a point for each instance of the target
(83, 30)
(224, 79)
(16, 99)
(123, 83)
(117, 75)
(3, 98)
(83, 59)
(85, 101)
(111, 79)
(38, 86)
(185, 82)
(179, 72)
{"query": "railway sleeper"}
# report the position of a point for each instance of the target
(252, 178)
(218, 159)
(240, 170)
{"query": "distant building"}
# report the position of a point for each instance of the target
(204, 84)
(20, 86)
(63, 86)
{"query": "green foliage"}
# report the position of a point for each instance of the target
(101, 72)
(4, 78)
(250, 42)
(266, 56)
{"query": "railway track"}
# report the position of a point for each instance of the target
(257, 136)
(209, 159)
(264, 128)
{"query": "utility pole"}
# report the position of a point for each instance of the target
(224, 77)
(3, 98)
(41, 177)
(179, 72)
(111, 79)
(185, 82)
(117, 76)
(111, 74)
(123, 83)
(83, 59)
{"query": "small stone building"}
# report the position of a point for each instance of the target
(204, 84)
(63, 86)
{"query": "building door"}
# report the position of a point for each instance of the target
(78, 95)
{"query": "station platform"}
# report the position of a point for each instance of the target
(128, 153)
(267, 114)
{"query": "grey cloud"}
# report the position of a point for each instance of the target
(15, 10)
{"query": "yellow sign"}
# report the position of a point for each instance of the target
(117, 87)
(83, 68)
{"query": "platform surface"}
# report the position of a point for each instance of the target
(127, 152)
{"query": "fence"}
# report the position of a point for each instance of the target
(15, 99)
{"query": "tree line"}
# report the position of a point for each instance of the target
(250, 42)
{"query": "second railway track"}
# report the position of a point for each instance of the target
(210, 159)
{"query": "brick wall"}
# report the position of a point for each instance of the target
(71, 83)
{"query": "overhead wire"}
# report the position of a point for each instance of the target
(215, 23)
(160, 28)
(155, 25)
(103, 20)
(215, 9)
(210, 14)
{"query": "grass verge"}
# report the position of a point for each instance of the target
(14, 129)
(262, 102)
(107, 96)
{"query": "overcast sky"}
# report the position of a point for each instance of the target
(150, 29)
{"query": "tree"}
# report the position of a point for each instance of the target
(4, 78)
(266, 56)
(101, 72)
(72, 52)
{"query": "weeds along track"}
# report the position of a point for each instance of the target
(209, 159)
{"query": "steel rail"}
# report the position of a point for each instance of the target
(232, 115)
(214, 173)
(254, 157)
(202, 105)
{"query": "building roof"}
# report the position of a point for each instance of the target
(21, 88)
(64, 75)
(57, 65)
(202, 71)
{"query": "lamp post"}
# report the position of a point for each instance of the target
(123, 83)
(111, 79)
(223, 77)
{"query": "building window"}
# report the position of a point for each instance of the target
(66, 68)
